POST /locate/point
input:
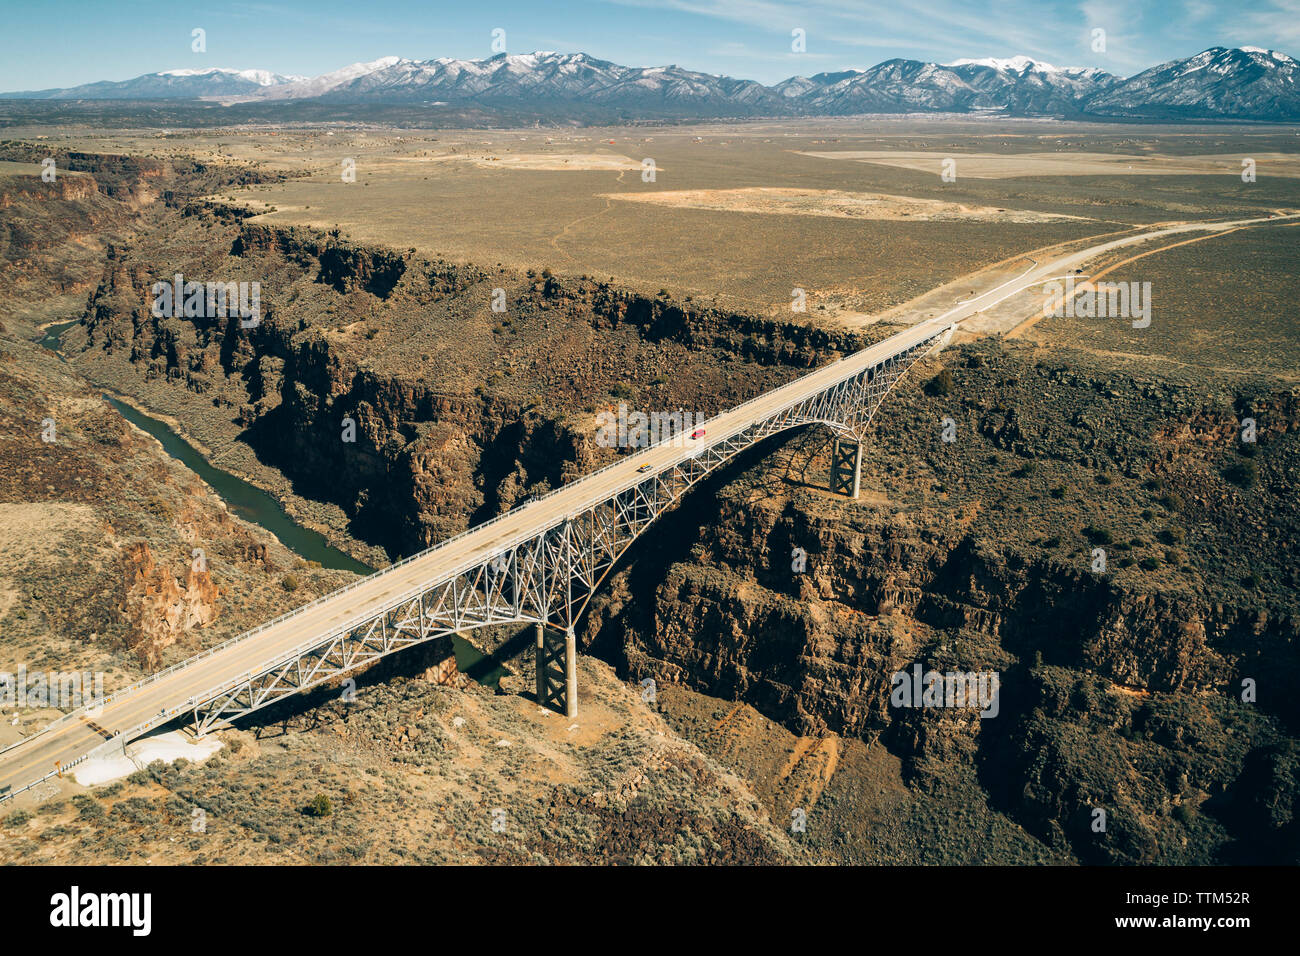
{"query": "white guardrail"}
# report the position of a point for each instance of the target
(909, 337)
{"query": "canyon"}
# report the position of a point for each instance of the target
(1121, 690)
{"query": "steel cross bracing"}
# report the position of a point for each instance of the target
(548, 577)
(552, 670)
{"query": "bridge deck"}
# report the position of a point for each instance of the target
(35, 757)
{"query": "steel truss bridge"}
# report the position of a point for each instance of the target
(540, 563)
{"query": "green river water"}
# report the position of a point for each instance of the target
(257, 506)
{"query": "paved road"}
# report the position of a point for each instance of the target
(35, 757)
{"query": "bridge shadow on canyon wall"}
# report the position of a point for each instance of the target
(671, 540)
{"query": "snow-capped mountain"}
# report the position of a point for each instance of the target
(1018, 65)
(303, 87)
(167, 85)
(1241, 84)
(1245, 83)
(1027, 87)
(536, 78)
(1017, 86)
(895, 86)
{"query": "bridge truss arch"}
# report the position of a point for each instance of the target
(549, 576)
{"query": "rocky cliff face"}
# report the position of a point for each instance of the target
(159, 608)
(1121, 691)
(51, 239)
(1154, 688)
(388, 384)
(64, 188)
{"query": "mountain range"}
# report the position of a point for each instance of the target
(1221, 83)
(169, 85)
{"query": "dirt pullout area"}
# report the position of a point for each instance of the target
(1012, 166)
(835, 203)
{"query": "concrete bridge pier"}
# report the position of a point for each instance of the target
(846, 468)
(540, 660)
(570, 674)
(557, 670)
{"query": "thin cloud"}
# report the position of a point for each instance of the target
(1276, 26)
(940, 30)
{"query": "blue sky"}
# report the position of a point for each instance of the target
(78, 41)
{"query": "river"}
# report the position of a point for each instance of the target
(257, 506)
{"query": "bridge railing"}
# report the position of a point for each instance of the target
(518, 539)
(579, 507)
